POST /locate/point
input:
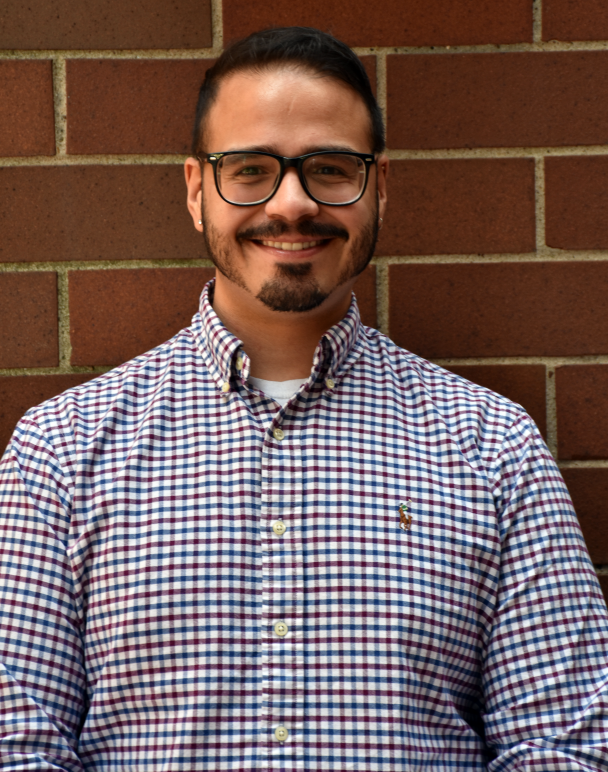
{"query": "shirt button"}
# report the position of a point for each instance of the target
(278, 434)
(239, 363)
(281, 629)
(330, 383)
(281, 734)
(225, 387)
(279, 528)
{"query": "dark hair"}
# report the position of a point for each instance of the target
(306, 47)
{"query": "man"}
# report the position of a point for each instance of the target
(278, 541)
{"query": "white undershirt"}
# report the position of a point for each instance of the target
(280, 391)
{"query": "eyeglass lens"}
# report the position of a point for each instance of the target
(248, 178)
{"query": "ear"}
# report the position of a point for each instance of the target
(192, 172)
(382, 171)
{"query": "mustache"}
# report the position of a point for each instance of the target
(276, 228)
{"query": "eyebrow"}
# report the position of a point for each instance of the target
(307, 151)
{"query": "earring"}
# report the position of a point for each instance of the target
(200, 222)
(380, 224)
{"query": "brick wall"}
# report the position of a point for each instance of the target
(494, 256)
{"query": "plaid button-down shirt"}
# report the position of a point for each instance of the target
(384, 575)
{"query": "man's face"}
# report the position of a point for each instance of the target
(290, 254)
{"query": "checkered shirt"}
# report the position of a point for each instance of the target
(429, 606)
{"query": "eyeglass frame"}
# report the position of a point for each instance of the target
(285, 162)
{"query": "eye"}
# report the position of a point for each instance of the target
(252, 171)
(328, 170)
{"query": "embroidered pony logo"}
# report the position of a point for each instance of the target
(405, 517)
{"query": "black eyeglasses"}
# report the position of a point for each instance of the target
(329, 177)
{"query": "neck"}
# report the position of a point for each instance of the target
(281, 345)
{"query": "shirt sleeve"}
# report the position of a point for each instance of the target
(41, 659)
(546, 656)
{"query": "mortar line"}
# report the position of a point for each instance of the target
(109, 265)
(546, 256)
(537, 21)
(547, 361)
(20, 372)
(134, 53)
(595, 464)
(447, 154)
(551, 408)
(63, 310)
(394, 154)
(381, 84)
(60, 102)
(520, 151)
(382, 299)
(539, 204)
(553, 46)
(217, 25)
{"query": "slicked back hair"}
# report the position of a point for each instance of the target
(312, 50)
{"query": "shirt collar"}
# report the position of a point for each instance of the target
(226, 359)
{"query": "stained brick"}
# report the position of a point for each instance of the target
(524, 384)
(27, 121)
(28, 320)
(498, 100)
(134, 310)
(365, 290)
(576, 202)
(106, 24)
(582, 418)
(589, 491)
(95, 213)
(124, 106)
(459, 206)
(396, 23)
(18, 394)
(508, 309)
(575, 20)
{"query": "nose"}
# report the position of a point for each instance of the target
(291, 202)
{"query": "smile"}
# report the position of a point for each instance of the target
(292, 246)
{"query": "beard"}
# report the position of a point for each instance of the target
(293, 288)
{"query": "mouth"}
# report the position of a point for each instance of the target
(293, 246)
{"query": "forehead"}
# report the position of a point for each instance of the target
(286, 107)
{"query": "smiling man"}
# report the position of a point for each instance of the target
(278, 541)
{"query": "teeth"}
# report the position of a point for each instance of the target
(291, 246)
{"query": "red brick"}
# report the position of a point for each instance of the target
(395, 23)
(95, 213)
(589, 491)
(125, 106)
(365, 291)
(18, 394)
(459, 206)
(133, 310)
(604, 585)
(497, 100)
(524, 384)
(507, 309)
(106, 24)
(576, 201)
(575, 20)
(28, 320)
(27, 119)
(582, 417)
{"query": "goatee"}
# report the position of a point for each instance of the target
(293, 288)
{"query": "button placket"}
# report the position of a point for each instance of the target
(282, 603)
